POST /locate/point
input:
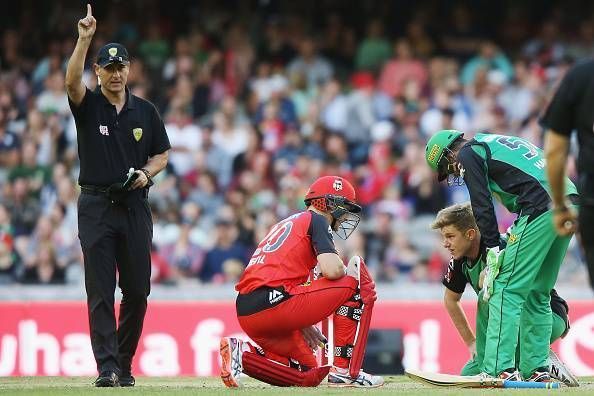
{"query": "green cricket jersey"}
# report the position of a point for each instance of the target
(463, 271)
(512, 170)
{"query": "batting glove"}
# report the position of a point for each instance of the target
(494, 260)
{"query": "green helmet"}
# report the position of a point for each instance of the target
(436, 148)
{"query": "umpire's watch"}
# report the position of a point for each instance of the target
(149, 177)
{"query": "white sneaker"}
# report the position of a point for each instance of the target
(363, 380)
(231, 367)
(559, 371)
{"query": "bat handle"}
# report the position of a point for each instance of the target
(526, 385)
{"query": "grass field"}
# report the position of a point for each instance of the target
(52, 386)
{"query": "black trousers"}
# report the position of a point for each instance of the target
(586, 221)
(115, 236)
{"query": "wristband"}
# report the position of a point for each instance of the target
(561, 209)
(148, 175)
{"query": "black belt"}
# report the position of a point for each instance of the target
(102, 190)
(93, 190)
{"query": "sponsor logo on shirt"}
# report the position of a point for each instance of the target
(512, 239)
(274, 296)
(448, 274)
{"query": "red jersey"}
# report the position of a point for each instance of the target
(288, 253)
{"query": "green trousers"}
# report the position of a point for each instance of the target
(519, 308)
(473, 366)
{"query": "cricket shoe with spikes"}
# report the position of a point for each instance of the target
(363, 380)
(510, 375)
(559, 371)
(507, 375)
(231, 367)
(540, 375)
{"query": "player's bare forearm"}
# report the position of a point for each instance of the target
(157, 163)
(456, 313)
(556, 149)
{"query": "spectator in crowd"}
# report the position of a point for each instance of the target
(44, 269)
(183, 257)
(489, 58)
(315, 68)
(184, 136)
(226, 248)
(463, 35)
(374, 49)
(9, 146)
(23, 206)
(9, 259)
(403, 67)
(29, 168)
(53, 99)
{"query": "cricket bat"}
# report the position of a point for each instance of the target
(459, 381)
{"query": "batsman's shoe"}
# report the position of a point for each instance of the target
(363, 380)
(494, 261)
(559, 371)
(231, 367)
(510, 375)
(540, 376)
(507, 375)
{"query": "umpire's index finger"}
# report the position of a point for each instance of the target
(89, 10)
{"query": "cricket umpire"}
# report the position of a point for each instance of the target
(572, 108)
(116, 131)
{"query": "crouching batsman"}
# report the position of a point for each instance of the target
(278, 306)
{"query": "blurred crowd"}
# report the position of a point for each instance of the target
(259, 99)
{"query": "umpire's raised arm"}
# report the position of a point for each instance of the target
(74, 85)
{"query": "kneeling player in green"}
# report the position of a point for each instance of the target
(461, 236)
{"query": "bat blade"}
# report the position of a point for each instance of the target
(460, 381)
(454, 381)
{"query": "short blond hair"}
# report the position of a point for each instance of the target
(458, 215)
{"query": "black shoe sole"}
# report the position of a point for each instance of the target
(101, 384)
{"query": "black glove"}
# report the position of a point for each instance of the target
(117, 193)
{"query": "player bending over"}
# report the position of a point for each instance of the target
(462, 238)
(278, 307)
(518, 284)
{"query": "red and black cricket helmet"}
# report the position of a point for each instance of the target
(336, 196)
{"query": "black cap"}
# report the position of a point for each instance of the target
(112, 53)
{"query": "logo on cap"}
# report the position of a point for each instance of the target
(337, 184)
(137, 132)
(113, 51)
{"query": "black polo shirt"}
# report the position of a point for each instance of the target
(572, 108)
(110, 143)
